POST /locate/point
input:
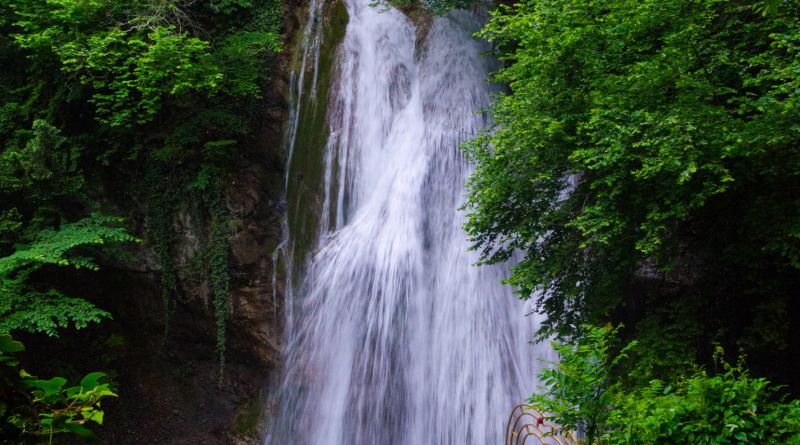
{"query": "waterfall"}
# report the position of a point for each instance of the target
(396, 337)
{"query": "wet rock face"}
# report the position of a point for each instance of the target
(245, 247)
(254, 321)
(169, 391)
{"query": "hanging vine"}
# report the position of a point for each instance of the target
(217, 255)
(161, 209)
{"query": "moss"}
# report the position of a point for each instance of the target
(305, 186)
(248, 419)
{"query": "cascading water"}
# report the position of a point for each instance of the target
(397, 338)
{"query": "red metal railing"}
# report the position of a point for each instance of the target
(527, 425)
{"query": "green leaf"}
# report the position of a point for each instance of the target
(50, 387)
(80, 430)
(90, 381)
(9, 346)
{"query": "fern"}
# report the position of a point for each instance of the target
(24, 306)
(58, 246)
(44, 312)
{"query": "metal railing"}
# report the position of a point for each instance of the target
(527, 425)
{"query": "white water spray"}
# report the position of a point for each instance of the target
(398, 338)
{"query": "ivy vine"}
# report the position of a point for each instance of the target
(217, 255)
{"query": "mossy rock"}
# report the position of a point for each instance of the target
(305, 184)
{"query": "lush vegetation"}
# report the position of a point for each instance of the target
(727, 407)
(35, 410)
(645, 160)
(645, 163)
(109, 107)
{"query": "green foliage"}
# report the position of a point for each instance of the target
(58, 246)
(218, 264)
(435, 7)
(646, 144)
(33, 307)
(242, 58)
(39, 163)
(229, 6)
(578, 387)
(47, 311)
(132, 58)
(730, 407)
(583, 390)
(161, 205)
(131, 75)
(140, 104)
(34, 410)
(142, 55)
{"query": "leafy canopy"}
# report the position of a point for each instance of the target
(644, 160)
(140, 104)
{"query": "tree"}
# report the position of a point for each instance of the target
(132, 103)
(644, 160)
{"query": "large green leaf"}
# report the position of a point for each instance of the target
(50, 387)
(9, 346)
(89, 382)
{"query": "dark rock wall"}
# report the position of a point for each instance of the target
(168, 387)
